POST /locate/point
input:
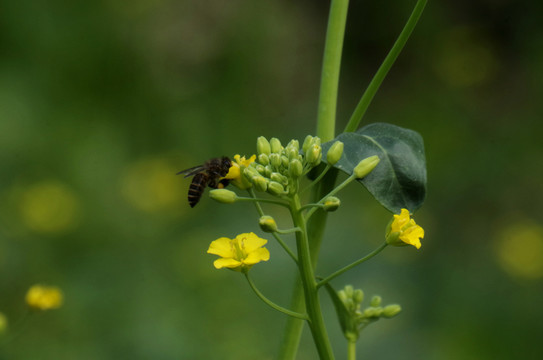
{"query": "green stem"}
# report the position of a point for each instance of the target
(326, 123)
(272, 304)
(335, 32)
(309, 284)
(315, 232)
(332, 192)
(378, 78)
(319, 178)
(288, 231)
(352, 265)
(270, 201)
(275, 235)
(351, 349)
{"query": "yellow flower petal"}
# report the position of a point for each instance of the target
(400, 220)
(222, 247)
(257, 256)
(412, 236)
(250, 242)
(226, 263)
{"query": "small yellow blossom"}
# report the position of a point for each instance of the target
(240, 253)
(236, 170)
(404, 231)
(44, 297)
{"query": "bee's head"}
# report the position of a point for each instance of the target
(226, 162)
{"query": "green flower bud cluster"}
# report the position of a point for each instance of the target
(277, 167)
(359, 318)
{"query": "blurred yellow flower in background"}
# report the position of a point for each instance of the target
(49, 207)
(3, 323)
(240, 253)
(150, 185)
(44, 297)
(519, 249)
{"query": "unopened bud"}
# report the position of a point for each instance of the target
(366, 166)
(373, 312)
(295, 168)
(391, 310)
(275, 160)
(334, 153)
(267, 224)
(275, 188)
(261, 169)
(375, 301)
(358, 296)
(223, 196)
(263, 145)
(284, 161)
(275, 176)
(307, 143)
(293, 145)
(263, 159)
(331, 203)
(314, 155)
(250, 171)
(260, 182)
(276, 146)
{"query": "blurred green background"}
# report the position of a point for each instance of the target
(102, 102)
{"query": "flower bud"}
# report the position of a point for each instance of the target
(294, 145)
(334, 153)
(375, 301)
(358, 296)
(263, 159)
(223, 196)
(263, 146)
(373, 312)
(295, 168)
(314, 155)
(284, 161)
(391, 310)
(276, 146)
(331, 203)
(275, 160)
(267, 224)
(307, 143)
(269, 170)
(275, 176)
(349, 290)
(260, 182)
(366, 166)
(261, 169)
(250, 171)
(275, 188)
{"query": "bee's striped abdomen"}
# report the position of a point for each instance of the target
(197, 187)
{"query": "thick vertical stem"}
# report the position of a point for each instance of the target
(309, 284)
(330, 69)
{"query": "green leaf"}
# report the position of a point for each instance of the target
(399, 180)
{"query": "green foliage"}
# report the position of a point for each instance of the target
(399, 181)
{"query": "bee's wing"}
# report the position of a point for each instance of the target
(191, 171)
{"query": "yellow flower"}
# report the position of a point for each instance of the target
(44, 297)
(236, 171)
(404, 231)
(239, 254)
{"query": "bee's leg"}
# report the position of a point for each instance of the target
(223, 183)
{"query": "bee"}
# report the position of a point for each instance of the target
(208, 174)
